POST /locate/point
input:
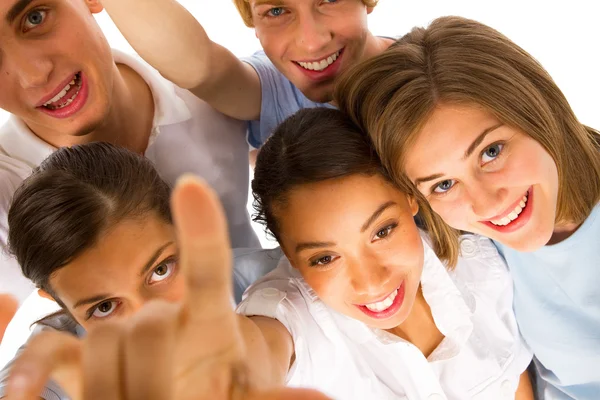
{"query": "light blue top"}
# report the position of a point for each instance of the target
(557, 305)
(280, 99)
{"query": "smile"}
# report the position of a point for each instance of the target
(66, 95)
(67, 99)
(321, 64)
(516, 216)
(385, 308)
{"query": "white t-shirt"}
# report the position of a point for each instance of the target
(481, 357)
(187, 136)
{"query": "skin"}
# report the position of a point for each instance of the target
(50, 41)
(466, 192)
(288, 30)
(295, 31)
(349, 261)
(137, 261)
(199, 348)
(8, 309)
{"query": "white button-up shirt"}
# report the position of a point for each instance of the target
(187, 136)
(481, 357)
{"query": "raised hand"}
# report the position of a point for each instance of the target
(199, 349)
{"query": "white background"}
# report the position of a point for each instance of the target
(562, 35)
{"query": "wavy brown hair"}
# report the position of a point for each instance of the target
(461, 61)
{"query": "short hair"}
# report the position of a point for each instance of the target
(245, 11)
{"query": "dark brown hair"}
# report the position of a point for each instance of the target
(74, 197)
(311, 146)
(460, 61)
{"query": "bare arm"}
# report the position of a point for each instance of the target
(524, 390)
(170, 39)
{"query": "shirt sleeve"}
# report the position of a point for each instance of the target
(278, 101)
(280, 298)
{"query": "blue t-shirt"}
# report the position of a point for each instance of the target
(280, 99)
(557, 305)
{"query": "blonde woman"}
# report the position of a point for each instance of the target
(481, 131)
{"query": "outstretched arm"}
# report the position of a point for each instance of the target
(170, 39)
(200, 349)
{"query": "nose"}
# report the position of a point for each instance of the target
(486, 199)
(32, 69)
(368, 275)
(312, 34)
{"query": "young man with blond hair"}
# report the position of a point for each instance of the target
(306, 44)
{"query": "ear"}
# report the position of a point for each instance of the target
(370, 10)
(95, 6)
(413, 204)
(46, 295)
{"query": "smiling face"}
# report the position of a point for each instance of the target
(485, 177)
(356, 244)
(56, 67)
(312, 41)
(134, 262)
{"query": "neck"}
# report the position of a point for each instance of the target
(375, 45)
(420, 328)
(128, 121)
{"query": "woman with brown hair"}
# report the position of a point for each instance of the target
(484, 135)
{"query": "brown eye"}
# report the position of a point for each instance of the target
(104, 309)
(162, 271)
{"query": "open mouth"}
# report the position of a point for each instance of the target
(320, 65)
(385, 308)
(66, 96)
(515, 217)
(514, 214)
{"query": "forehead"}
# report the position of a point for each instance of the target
(336, 204)
(116, 259)
(446, 136)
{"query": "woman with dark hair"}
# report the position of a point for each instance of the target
(92, 228)
(361, 308)
(480, 132)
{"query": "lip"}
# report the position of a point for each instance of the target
(391, 310)
(521, 220)
(56, 91)
(329, 72)
(73, 108)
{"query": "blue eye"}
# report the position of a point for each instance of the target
(491, 153)
(444, 186)
(35, 18)
(275, 11)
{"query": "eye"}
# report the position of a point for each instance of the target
(34, 18)
(444, 186)
(384, 232)
(324, 260)
(104, 309)
(491, 153)
(275, 12)
(162, 271)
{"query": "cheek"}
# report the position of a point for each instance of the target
(328, 285)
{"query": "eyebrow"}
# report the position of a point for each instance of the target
(315, 245)
(148, 265)
(468, 153)
(17, 9)
(479, 139)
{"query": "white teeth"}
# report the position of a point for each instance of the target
(513, 214)
(320, 65)
(384, 304)
(62, 94)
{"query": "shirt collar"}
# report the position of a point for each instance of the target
(19, 142)
(451, 308)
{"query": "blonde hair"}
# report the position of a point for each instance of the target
(460, 61)
(243, 7)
